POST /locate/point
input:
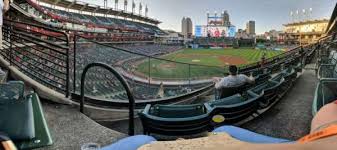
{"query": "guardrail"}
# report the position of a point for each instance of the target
(131, 103)
(39, 52)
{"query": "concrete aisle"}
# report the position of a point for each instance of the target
(291, 117)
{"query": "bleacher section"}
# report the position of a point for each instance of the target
(104, 28)
(175, 120)
(101, 85)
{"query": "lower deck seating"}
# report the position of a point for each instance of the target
(235, 108)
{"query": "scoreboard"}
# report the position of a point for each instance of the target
(214, 31)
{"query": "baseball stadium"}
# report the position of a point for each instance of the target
(99, 75)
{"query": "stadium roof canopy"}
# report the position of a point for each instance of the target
(306, 22)
(333, 22)
(83, 6)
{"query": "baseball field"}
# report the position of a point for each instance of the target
(204, 63)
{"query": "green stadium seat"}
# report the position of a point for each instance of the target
(242, 107)
(42, 135)
(326, 92)
(175, 119)
(230, 91)
(328, 70)
(235, 99)
(270, 92)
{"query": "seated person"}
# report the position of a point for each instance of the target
(233, 80)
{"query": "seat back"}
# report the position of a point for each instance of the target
(326, 92)
(238, 112)
(175, 120)
(11, 91)
(262, 78)
(177, 111)
(230, 91)
(235, 99)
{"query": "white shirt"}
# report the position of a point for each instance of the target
(233, 81)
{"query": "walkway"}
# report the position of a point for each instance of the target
(291, 117)
(70, 129)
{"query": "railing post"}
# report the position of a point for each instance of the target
(74, 80)
(189, 75)
(149, 72)
(124, 84)
(67, 68)
(10, 43)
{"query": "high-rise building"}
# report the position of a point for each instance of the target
(225, 19)
(187, 27)
(250, 27)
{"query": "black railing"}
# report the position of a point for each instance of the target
(124, 84)
(39, 52)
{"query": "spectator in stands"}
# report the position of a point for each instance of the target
(233, 80)
(160, 93)
(263, 60)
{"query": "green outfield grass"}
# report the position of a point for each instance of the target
(217, 58)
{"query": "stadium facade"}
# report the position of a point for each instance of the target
(305, 32)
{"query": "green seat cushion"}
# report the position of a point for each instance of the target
(42, 134)
(329, 92)
(178, 111)
(16, 112)
(235, 99)
(265, 86)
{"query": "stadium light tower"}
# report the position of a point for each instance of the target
(310, 13)
(291, 16)
(116, 4)
(146, 10)
(140, 8)
(133, 6)
(125, 5)
(105, 4)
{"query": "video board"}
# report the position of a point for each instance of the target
(216, 21)
(214, 31)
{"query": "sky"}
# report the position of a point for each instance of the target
(268, 14)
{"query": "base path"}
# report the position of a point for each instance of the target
(232, 60)
(291, 117)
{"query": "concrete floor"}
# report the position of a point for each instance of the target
(70, 129)
(291, 117)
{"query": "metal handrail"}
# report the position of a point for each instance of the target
(30, 43)
(124, 84)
